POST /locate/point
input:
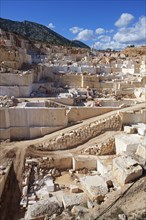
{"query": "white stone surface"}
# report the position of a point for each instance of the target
(74, 189)
(70, 200)
(127, 142)
(95, 187)
(141, 150)
(50, 185)
(83, 161)
(129, 130)
(126, 169)
(141, 128)
(76, 210)
(43, 207)
(104, 164)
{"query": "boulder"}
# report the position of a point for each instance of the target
(49, 185)
(69, 200)
(141, 151)
(126, 169)
(76, 210)
(95, 187)
(141, 128)
(130, 130)
(74, 189)
(127, 142)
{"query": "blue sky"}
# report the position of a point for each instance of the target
(102, 24)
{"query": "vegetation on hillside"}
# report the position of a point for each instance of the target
(37, 32)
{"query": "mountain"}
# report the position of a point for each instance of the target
(37, 32)
(80, 44)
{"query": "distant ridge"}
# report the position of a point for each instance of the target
(37, 32)
(80, 44)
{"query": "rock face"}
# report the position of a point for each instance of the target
(126, 169)
(14, 51)
(42, 208)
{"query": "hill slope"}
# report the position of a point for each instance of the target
(80, 44)
(37, 32)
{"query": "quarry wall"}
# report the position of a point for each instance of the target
(17, 91)
(32, 122)
(28, 123)
(133, 117)
(35, 120)
(82, 113)
(11, 79)
(21, 85)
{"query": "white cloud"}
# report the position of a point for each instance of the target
(104, 38)
(112, 45)
(51, 26)
(115, 39)
(135, 34)
(99, 31)
(124, 20)
(75, 30)
(85, 35)
(110, 31)
(132, 35)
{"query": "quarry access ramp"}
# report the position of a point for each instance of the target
(80, 133)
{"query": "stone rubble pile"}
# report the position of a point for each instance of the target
(8, 102)
(108, 147)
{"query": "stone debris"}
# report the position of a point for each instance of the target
(42, 208)
(106, 148)
(74, 189)
(130, 130)
(77, 210)
(50, 185)
(7, 102)
(122, 217)
(141, 128)
(90, 204)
